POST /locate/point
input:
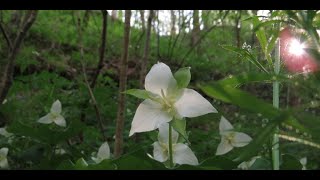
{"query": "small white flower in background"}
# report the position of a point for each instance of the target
(303, 162)
(247, 164)
(54, 115)
(168, 101)
(4, 132)
(3, 158)
(230, 138)
(181, 153)
(4, 101)
(103, 153)
(60, 151)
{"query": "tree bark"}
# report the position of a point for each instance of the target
(196, 27)
(102, 48)
(114, 15)
(238, 29)
(144, 61)
(7, 67)
(173, 23)
(118, 148)
(143, 23)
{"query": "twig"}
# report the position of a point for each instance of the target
(5, 35)
(102, 47)
(94, 102)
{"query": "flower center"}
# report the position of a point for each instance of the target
(167, 103)
(230, 137)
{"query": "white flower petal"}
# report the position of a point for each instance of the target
(104, 151)
(240, 139)
(4, 163)
(223, 147)
(149, 116)
(4, 152)
(159, 153)
(163, 135)
(182, 154)
(159, 77)
(192, 104)
(56, 107)
(224, 125)
(4, 132)
(47, 119)
(60, 121)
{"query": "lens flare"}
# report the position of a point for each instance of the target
(296, 48)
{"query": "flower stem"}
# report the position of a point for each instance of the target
(275, 140)
(170, 146)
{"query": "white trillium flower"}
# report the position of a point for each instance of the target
(4, 132)
(247, 164)
(54, 115)
(169, 102)
(303, 162)
(230, 138)
(103, 153)
(3, 158)
(181, 153)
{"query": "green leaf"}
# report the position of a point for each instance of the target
(66, 165)
(244, 53)
(180, 126)
(139, 93)
(183, 77)
(106, 164)
(137, 160)
(254, 147)
(261, 164)
(81, 164)
(289, 162)
(218, 162)
(240, 98)
(261, 35)
(245, 78)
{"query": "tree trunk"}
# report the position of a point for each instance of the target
(143, 23)
(7, 67)
(118, 148)
(102, 47)
(206, 19)
(173, 23)
(144, 61)
(114, 15)
(196, 27)
(238, 29)
(86, 18)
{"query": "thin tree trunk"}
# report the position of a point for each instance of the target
(118, 148)
(196, 27)
(173, 23)
(143, 23)
(7, 67)
(102, 47)
(114, 15)
(158, 35)
(238, 29)
(86, 18)
(144, 61)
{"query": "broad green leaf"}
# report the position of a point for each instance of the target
(180, 126)
(266, 24)
(138, 160)
(244, 53)
(183, 77)
(81, 164)
(66, 165)
(240, 98)
(139, 93)
(218, 162)
(289, 162)
(261, 164)
(264, 135)
(106, 164)
(261, 35)
(244, 78)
